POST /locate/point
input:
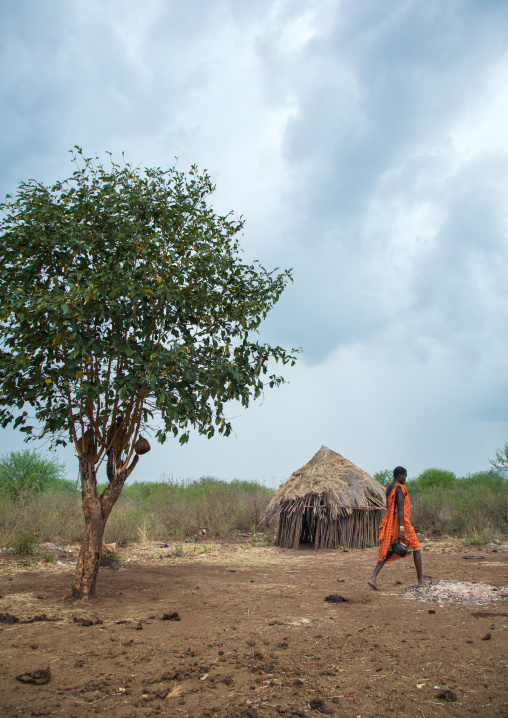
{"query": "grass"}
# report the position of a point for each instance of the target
(146, 512)
(474, 508)
(477, 538)
(112, 555)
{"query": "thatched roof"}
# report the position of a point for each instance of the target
(337, 482)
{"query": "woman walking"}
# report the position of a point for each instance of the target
(397, 528)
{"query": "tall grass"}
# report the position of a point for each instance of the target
(170, 508)
(474, 508)
(52, 516)
(152, 511)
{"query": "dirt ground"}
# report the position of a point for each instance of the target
(256, 636)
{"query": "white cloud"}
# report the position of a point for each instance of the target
(364, 143)
(483, 126)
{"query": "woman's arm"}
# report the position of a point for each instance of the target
(399, 502)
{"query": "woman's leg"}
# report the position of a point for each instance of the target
(417, 558)
(379, 565)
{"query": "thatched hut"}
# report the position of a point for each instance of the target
(329, 502)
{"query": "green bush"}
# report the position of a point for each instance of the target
(487, 479)
(25, 543)
(27, 472)
(475, 508)
(431, 479)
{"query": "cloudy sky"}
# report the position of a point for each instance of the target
(366, 145)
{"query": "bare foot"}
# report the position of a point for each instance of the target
(423, 582)
(373, 584)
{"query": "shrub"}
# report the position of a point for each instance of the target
(431, 479)
(26, 472)
(487, 479)
(25, 543)
(475, 507)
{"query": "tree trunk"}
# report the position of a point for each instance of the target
(90, 554)
(96, 510)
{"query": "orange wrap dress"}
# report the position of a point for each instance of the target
(389, 531)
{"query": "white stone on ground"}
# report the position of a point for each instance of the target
(474, 592)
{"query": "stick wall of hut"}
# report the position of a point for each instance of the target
(304, 523)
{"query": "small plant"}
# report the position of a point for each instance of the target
(111, 555)
(143, 533)
(47, 557)
(177, 549)
(477, 538)
(25, 543)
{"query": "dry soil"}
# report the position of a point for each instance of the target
(256, 636)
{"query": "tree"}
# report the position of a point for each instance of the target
(432, 479)
(28, 472)
(500, 460)
(384, 477)
(124, 300)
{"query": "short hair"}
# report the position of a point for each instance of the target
(398, 470)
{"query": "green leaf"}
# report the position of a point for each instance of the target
(124, 292)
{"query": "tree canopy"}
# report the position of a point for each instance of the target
(125, 305)
(123, 293)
